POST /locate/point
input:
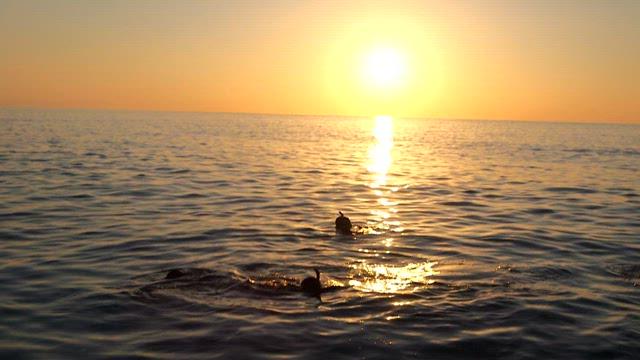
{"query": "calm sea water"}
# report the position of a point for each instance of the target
(481, 239)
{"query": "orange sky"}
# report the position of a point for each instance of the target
(535, 60)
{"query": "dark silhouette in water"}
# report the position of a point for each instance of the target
(175, 273)
(311, 285)
(343, 225)
(199, 278)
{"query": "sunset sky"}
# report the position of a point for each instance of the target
(529, 60)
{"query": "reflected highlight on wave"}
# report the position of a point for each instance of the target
(379, 163)
(390, 279)
(380, 153)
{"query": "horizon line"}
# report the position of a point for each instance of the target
(557, 121)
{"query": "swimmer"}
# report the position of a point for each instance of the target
(343, 225)
(311, 285)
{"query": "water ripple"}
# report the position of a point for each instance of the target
(475, 239)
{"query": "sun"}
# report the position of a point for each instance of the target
(384, 68)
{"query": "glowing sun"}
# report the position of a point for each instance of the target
(384, 68)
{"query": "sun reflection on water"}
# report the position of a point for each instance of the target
(380, 161)
(380, 153)
(390, 279)
(386, 278)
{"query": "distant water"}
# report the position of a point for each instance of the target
(481, 239)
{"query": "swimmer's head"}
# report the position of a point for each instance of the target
(311, 285)
(343, 224)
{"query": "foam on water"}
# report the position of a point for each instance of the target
(475, 239)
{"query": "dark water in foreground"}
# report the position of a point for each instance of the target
(485, 239)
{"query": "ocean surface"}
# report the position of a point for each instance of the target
(477, 239)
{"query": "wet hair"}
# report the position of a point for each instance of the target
(312, 285)
(343, 224)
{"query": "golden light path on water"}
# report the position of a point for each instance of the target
(380, 157)
(380, 161)
(385, 278)
(388, 279)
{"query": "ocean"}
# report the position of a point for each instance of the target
(477, 239)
